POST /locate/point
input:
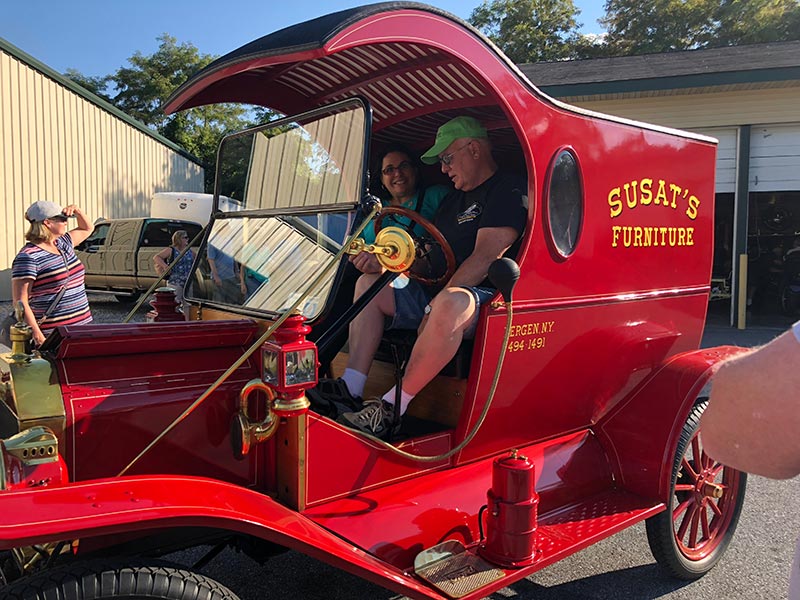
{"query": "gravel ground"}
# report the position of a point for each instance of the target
(105, 309)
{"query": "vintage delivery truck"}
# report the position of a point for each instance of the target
(572, 414)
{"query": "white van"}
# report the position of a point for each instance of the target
(188, 206)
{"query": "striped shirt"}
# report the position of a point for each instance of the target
(49, 272)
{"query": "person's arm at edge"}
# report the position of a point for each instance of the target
(752, 420)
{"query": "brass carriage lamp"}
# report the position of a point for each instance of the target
(289, 363)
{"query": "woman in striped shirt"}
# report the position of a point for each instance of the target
(46, 265)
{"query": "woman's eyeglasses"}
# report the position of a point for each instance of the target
(390, 170)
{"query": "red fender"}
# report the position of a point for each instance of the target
(641, 434)
(106, 507)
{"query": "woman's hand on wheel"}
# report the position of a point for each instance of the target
(366, 263)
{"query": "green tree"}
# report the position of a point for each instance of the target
(637, 27)
(142, 88)
(529, 30)
(756, 21)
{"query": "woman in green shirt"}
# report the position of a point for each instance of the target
(399, 172)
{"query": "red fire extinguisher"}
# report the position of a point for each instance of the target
(511, 513)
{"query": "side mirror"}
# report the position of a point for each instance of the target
(504, 273)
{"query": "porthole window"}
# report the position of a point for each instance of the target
(565, 202)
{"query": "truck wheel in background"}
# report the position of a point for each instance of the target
(705, 501)
(104, 579)
(127, 298)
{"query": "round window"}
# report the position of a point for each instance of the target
(565, 202)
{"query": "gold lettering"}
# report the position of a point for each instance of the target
(681, 236)
(689, 234)
(691, 210)
(663, 231)
(672, 236)
(614, 202)
(628, 201)
(645, 192)
(676, 189)
(648, 236)
(661, 194)
(626, 236)
(615, 235)
(637, 236)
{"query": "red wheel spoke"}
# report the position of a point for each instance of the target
(687, 520)
(694, 527)
(715, 508)
(704, 524)
(684, 487)
(697, 453)
(681, 508)
(689, 471)
(716, 469)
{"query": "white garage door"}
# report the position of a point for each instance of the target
(775, 158)
(726, 157)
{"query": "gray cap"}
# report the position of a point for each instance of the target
(41, 210)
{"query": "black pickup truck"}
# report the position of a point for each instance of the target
(118, 256)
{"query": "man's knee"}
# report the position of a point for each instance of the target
(454, 306)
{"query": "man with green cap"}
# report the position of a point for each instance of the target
(483, 219)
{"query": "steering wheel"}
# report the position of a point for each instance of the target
(423, 244)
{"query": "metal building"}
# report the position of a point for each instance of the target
(62, 143)
(748, 97)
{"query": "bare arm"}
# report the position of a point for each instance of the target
(214, 275)
(490, 244)
(752, 420)
(160, 260)
(84, 228)
(19, 293)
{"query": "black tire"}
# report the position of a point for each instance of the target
(691, 536)
(127, 298)
(104, 580)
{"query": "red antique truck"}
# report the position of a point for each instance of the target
(573, 415)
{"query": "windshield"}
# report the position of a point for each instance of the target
(296, 162)
(294, 186)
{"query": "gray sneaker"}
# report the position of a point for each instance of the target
(376, 418)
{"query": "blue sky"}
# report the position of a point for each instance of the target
(98, 36)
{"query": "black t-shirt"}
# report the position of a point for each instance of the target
(500, 201)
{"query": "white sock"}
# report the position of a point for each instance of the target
(405, 399)
(355, 381)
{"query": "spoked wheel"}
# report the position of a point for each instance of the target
(424, 245)
(104, 580)
(706, 498)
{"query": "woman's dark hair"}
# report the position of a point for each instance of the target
(412, 157)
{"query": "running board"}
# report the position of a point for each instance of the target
(460, 572)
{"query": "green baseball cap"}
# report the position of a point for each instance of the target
(460, 127)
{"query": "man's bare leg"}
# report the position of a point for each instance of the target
(453, 312)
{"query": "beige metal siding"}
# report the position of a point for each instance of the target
(57, 145)
(690, 111)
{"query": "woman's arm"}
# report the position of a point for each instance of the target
(19, 293)
(84, 228)
(160, 260)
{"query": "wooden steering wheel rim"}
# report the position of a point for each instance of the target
(429, 227)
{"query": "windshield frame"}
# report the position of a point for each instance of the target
(300, 211)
